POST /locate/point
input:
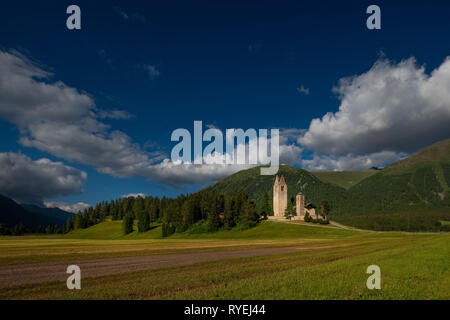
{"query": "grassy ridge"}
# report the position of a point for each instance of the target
(112, 230)
(344, 179)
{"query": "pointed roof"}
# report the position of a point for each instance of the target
(277, 180)
(282, 180)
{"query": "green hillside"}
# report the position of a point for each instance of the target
(298, 180)
(436, 153)
(412, 194)
(344, 179)
(112, 230)
(418, 182)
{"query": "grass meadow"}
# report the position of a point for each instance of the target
(332, 264)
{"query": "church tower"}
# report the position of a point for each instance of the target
(279, 197)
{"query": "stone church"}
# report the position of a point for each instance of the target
(280, 199)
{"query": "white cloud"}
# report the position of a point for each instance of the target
(134, 195)
(65, 122)
(62, 121)
(303, 90)
(30, 181)
(385, 113)
(351, 162)
(74, 208)
(392, 107)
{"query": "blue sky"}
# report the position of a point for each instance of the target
(230, 64)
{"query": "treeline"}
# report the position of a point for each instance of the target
(20, 230)
(401, 221)
(217, 210)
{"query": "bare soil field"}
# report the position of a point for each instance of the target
(11, 275)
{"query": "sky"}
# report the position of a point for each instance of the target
(87, 115)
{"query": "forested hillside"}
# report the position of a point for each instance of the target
(20, 218)
(298, 180)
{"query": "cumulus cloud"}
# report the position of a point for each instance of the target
(350, 161)
(134, 195)
(385, 114)
(63, 121)
(392, 107)
(180, 174)
(66, 123)
(74, 208)
(30, 181)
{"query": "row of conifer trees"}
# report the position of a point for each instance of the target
(215, 209)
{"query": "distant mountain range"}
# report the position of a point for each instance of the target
(31, 216)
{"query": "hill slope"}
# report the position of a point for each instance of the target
(49, 215)
(298, 180)
(12, 213)
(112, 230)
(412, 194)
(344, 179)
(420, 181)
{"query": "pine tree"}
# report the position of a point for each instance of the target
(171, 218)
(128, 221)
(266, 209)
(289, 212)
(4, 230)
(49, 229)
(228, 218)
(214, 222)
(143, 221)
(249, 217)
(187, 214)
(307, 217)
(324, 208)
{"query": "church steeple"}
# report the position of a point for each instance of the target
(279, 196)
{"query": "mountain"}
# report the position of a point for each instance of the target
(344, 179)
(11, 214)
(412, 194)
(52, 215)
(438, 153)
(419, 182)
(298, 180)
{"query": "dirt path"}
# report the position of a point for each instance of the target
(12, 275)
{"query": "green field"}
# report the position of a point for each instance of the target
(332, 264)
